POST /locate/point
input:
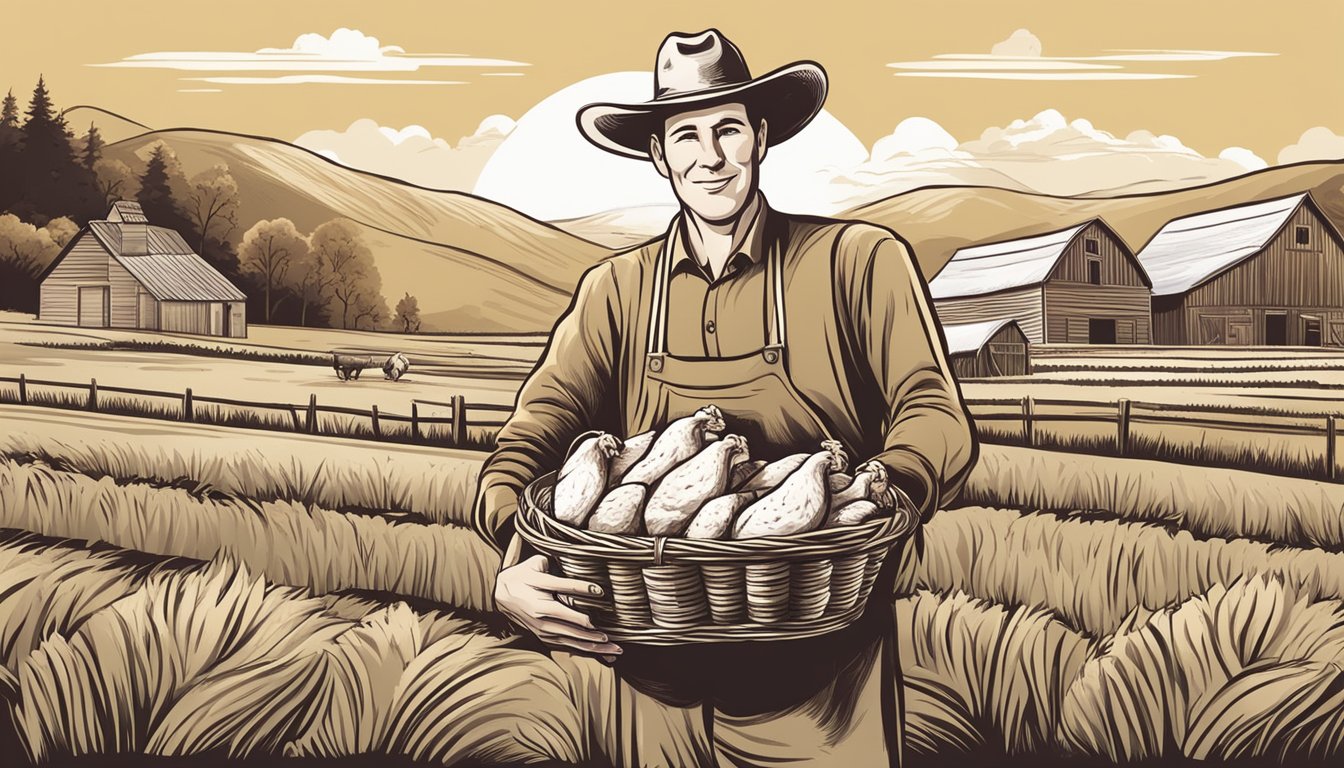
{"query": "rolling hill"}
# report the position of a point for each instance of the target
(475, 266)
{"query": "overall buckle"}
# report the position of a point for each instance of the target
(773, 353)
(655, 361)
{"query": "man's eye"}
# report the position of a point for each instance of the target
(729, 131)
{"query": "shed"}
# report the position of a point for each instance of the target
(987, 348)
(123, 272)
(1080, 285)
(1269, 272)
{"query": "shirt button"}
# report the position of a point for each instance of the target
(709, 327)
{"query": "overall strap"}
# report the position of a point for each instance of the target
(662, 267)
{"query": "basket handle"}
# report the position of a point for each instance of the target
(658, 542)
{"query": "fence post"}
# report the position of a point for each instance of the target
(312, 413)
(415, 421)
(294, 414)
(459, 421)
(1028, 427)
(1122, 426)
(187, 414)
(373, 419)
(1331, 448)
(93, 394)
(23, 390)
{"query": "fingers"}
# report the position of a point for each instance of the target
(587, 646)
(565, 586)
(556, 610)
(553, 628)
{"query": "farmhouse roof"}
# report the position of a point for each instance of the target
(994, 267)
(1193, 249)
(171, 271)
(971, 337)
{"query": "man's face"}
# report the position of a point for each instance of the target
(711, 157)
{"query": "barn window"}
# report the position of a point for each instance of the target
(1094, 271)
(1091, 245)
(1303, 236)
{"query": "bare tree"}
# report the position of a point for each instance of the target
(213, 202)
(270, 248)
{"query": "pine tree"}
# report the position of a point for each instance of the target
(156, 197)
(9, 113)
(93, 146)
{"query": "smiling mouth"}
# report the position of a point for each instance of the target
(716, 185)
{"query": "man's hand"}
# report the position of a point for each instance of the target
(526, 593)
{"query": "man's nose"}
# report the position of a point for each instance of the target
(712, 156)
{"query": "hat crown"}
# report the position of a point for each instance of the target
(698, 62)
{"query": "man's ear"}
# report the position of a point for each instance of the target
(657, 156)
(760, 141)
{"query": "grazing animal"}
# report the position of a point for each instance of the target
(350, 366)
(396, 366)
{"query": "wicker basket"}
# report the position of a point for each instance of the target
(671, 591)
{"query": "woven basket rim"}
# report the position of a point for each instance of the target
(540, 529)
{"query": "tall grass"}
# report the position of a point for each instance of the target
(435, 484)
(289, 542)
(1095, 573)
(1251, 669)
(196, 349)
(1206, 501)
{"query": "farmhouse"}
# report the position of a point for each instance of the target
(1080, 285)
(987, 348)
(1269, 273)
(123, 272)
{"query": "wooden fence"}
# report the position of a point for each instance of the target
(990, 415)
(301, 417)
(1029, 414)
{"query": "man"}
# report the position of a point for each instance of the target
(800, 329)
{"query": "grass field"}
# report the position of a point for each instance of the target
(1027, 631)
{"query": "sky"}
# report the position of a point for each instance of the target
(1218, 75)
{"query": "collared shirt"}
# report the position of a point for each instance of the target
(718, 317)
(863, 347)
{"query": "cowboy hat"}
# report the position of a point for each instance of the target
(698, 70)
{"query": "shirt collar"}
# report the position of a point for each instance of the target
(751, 251)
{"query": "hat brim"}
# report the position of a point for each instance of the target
(787, 98)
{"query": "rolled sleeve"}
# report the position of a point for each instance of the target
(563, 396)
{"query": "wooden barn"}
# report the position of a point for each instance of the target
(1080, 285)
(1266, 273)
(123, 272)
(988, 348)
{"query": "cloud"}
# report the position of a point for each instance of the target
(1046, 153)
(411, 153)
(1319, 143)
(310, 79)
(1018, 57)
(345, 50)
(1020, 43)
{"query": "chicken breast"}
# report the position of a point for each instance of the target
(583, 478)
(620, 510)
(800, 503)
(853, 513)
(681, 440)
(682, 491)
(715, 517)
(634, 449)
(870, 482)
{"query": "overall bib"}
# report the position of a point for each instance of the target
(827, 700)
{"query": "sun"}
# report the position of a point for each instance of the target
(547, 170)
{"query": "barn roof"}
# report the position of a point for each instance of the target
(170, 270)
(1192, 249)
(972, 337)
(127, 211)
(994, 267)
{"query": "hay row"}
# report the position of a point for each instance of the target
(1094, 573)
(436, 484)
(289, 542)
(1206, 501)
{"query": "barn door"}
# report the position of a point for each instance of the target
(1336, 333)
(1124, 331)
(1009, 358)
(1239, 334)
(94, 309)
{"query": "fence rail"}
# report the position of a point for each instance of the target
(1123, 415)
(188, 409)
